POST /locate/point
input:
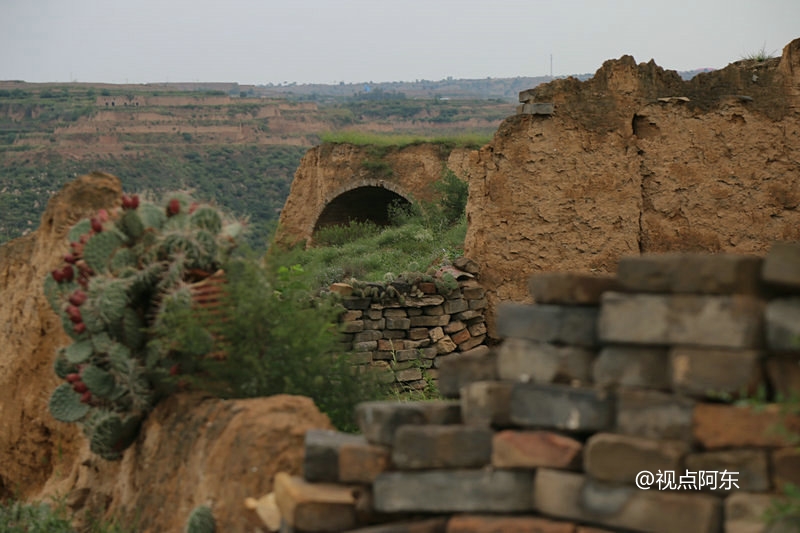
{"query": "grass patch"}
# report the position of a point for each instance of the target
(760, 55)
(359, 138)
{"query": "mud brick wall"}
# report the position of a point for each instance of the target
(655, 369)
(404, 335)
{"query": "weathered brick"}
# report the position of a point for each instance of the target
(381, 371)
(612, 457)
(375, 324)
(654, 415)
(561, 407)
(781, 266)
(314, 506)
(321, 453)
(460, 337)
(534, 449)
(786, 467)
(418, 333)
(445, 345)
(702, 372)
(349, 316)
(540, 362)
(395, 313)
(455, 306)
(449, 446)
(360, 358)
(469, 315)
(454, 326)
(632, 366)
(481, 303)
(356, 303)
(425, 301)
(394, 334)
(568, 288)
(547, 323)
(721, 321)
(576, 497)
(353, 326)
(465, 368)
(378, 421)
(413, 345)
(361, 462)
(429, 321)
(782, 318)
(473, 293)
(485, 403)
(783, 372)
(414, 311)
(751, 467)
(696, 273)
(428, 352)
(398, 323)
(374, 314)
(471, 343)
(408, 374)
(433, 310)
(727, 426)
(367, 346)
(504, 524)
(391, 345)
(744, 512)
(406, 355)
(477, 329)
(365, 336)
(443, 491)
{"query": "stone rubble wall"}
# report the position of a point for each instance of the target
(404, 332)
(677, 364)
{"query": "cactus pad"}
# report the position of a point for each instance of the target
(111, 434)
(81, 228)
(61, 366)
(65, 404)
(207, 218)
(100, 248)
(131, 224)
(201, 520)
(98, 380)
(78, 352)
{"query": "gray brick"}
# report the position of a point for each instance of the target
(782, 318)
(321, 453)
(485, 403)
(694, 273)
(782, 265)
(398, 323)
(455, 306)
(567, 288)
(464, 368)
(702, 372)
(450, 446)
(632, 366)
(521, 359)
(613, 457)
(577, 497)
(429, 321)
(722, 321)
(369, 335)
(395, 313)
(744, 512)
(547, 323)
(561, 407)
(451, 491)
(378, 421)
(654, 415)
(783, 372)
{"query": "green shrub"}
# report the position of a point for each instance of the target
(338, 235)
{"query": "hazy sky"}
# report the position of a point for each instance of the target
(327, 41)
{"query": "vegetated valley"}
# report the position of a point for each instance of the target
(234, 146)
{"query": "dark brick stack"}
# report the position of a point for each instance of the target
(404, 341)
(654, 370)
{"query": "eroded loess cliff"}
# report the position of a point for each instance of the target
(638, 160)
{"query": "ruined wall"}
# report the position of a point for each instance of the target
(636, 160)
(330, 170)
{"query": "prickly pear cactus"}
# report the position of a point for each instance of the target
(201, 520)
(125, 268)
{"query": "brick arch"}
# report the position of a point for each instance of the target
(367, 200)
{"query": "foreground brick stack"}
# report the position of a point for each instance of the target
(403, 335)
(602, 379)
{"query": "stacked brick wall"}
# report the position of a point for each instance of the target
(673, 368)
(404, 331)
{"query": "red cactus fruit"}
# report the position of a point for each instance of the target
(126, 201)
(74, 314)
(79, 328)
(72, 378)
(58, 275)
(80, 386)
(174, 207)
(97, 226)
(83, 281)
(86, 397)
(135, 201)
(77, 298)
(102, 216)
(85, 238)
(69, 258)
(67, 273)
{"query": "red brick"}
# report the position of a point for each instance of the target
(726, 426)
(461, 336)
(362, 463)
(786, 467)
(532, 449)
